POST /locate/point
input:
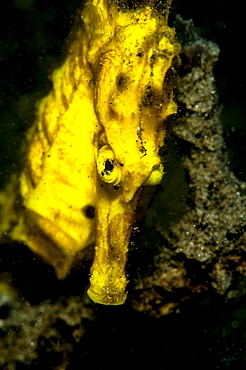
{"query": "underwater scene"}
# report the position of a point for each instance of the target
(122, 185)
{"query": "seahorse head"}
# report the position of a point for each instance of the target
(131, 54)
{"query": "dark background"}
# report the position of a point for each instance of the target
(207, 331)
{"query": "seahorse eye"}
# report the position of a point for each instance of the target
(108, 168)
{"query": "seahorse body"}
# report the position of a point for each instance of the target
(95, 144)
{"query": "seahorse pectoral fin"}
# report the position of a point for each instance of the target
(114, 224)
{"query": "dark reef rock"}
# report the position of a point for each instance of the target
(204, 249)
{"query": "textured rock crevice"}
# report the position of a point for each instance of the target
(205, 248)
(40, 334)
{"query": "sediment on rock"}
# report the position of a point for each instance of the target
(205, 248)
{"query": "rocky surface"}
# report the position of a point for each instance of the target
(205, 248)
(44, 334)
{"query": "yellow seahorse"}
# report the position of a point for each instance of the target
(95, 144)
